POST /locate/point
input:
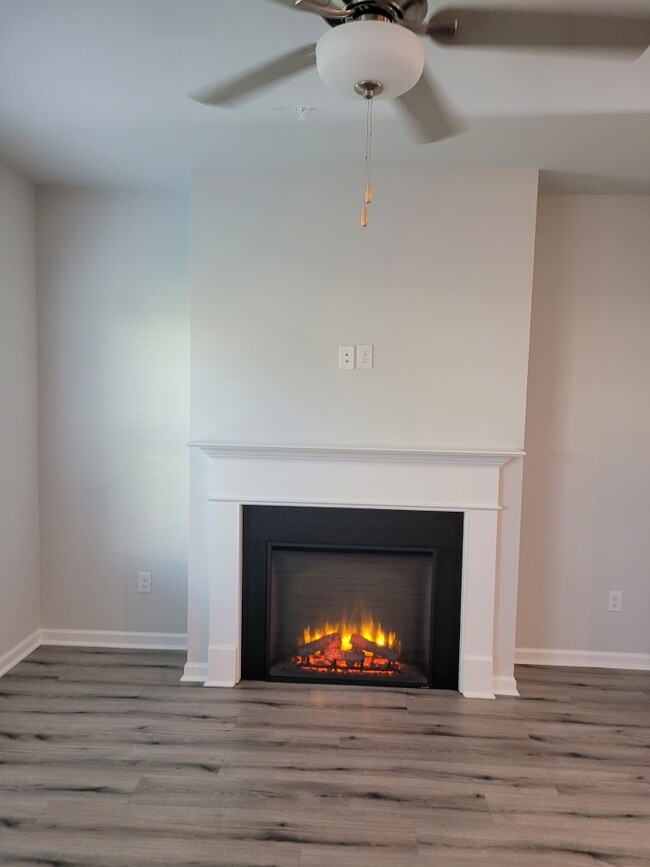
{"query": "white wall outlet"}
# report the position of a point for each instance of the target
(144, 582)
(346, 357)
(615, 600)
(364, 355)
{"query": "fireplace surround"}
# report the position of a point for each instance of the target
(231, 477)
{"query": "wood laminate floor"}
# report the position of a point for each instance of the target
(107, 759)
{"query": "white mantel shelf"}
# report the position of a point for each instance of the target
(457, 457)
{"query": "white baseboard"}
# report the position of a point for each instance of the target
(582, 658)
(102, 638)
(20, 651)
(221, 683)
(195, 672)
(503, 685)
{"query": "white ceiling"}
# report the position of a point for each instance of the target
(94, 92)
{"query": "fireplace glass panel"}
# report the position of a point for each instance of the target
(350, 614)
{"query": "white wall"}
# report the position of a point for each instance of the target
(19, 593)
(586, 512)
(440, 283)
(113, 292)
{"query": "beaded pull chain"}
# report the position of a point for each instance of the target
(367, 185)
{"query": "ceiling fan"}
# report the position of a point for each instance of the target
(374, 50)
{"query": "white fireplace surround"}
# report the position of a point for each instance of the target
(378, 478)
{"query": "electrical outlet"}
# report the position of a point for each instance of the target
(615, 600)
(144, 582)
(346, 357)
(364, 355)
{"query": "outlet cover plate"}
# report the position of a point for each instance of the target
(364, 355)
(615, 602)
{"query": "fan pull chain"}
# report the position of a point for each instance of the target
(367, 185)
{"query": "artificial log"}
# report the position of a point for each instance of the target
(358, 642)
(334, 655)
(330, 641)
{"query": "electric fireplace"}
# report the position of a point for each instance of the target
(365, 614)
(228, 616)
(351, 596)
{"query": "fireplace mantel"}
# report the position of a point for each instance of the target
(238, 474)
(458, 457)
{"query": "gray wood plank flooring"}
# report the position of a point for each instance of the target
(107, 759)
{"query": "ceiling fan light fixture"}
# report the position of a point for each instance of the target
(370, 51)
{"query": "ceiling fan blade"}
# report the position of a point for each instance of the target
(243, 86)
(426, 112)
(527, 28)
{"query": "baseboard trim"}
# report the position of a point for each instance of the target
(195, 672)
(582, 658)
(504, 685)
(20, 651)
(105, 638)
(221, 683)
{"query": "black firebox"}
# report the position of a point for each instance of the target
(351, 596)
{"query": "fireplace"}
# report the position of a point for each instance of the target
(351, 596)
(230, 481)
(368, 614)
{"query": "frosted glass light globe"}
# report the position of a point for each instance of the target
(370, 51)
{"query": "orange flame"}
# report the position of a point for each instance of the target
(366, 626)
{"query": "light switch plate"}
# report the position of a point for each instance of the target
(346, 357)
